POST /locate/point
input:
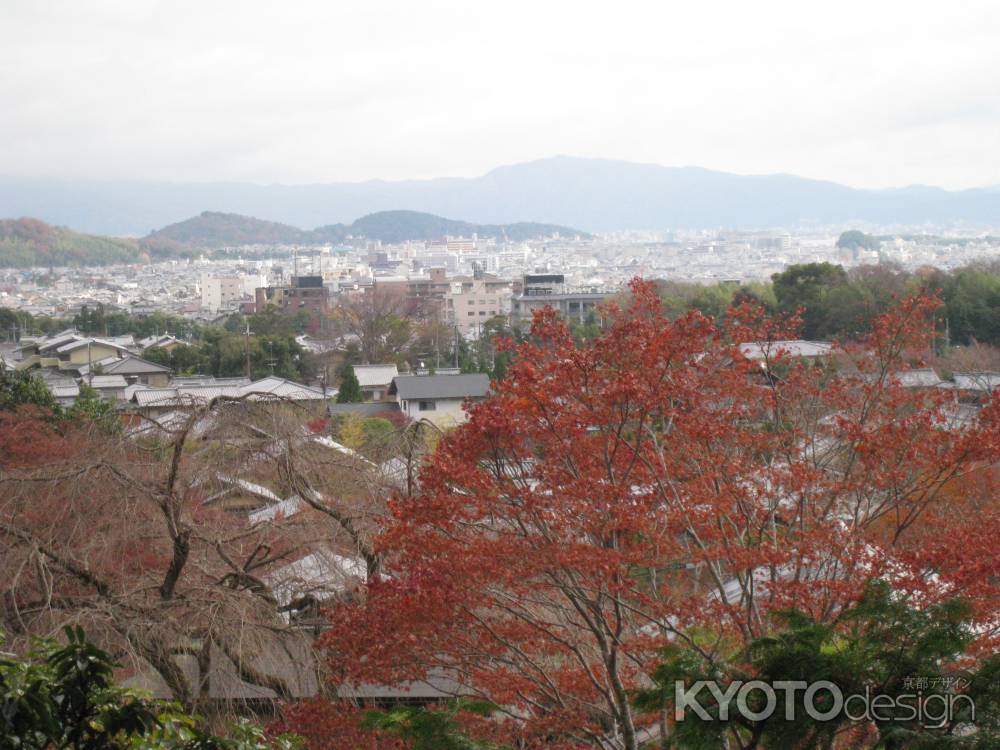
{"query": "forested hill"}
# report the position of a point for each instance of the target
(213, 229)
(400, 226)
(29, 242)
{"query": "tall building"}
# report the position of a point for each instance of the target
(461, 245)
(305, 294)
(219, 291)
(474, 300)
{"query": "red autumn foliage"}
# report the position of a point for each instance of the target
(28, 437)
(318, 425)
(655, 483)
(325, 726)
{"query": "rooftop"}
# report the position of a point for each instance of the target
(372, 375)
(791, 348)
(409, 387)
(132, 365)
(106, 381)
(202, 393)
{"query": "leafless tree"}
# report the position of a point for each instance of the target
(198, 546)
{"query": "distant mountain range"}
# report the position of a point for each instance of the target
(29, 242)
(214, 229)
(592, 194)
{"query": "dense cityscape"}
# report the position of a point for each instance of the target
(226, 280)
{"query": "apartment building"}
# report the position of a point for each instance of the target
(304, 294)
(472, 300)
(219, 292)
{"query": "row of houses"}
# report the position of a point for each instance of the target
(69, 359)
(115, 368)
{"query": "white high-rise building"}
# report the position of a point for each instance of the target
(219, 292)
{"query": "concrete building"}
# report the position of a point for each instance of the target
(474, 300)
(461, 245)
(540, 290)
(218, 292)
(305, 294)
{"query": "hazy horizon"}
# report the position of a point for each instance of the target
(866, 96)
(487, 171)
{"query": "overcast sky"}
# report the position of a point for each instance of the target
(873, 94)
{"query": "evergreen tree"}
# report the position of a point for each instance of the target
(89, 405)
(65, 696)
(20, 388)
(350, 388)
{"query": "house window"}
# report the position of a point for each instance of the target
(427, 406)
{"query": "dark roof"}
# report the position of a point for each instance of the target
(133, 365)
(409, 387)
(366, 409)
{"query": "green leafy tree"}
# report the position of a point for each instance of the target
(64, 697)
(377, 430)
(24, 389)
(433, 729)
(880, 645)
(855, 239)
(810, 286)
(972, 299)
(90, 406)
(349, 391)
(158, 355)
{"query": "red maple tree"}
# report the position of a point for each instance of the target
(657, 484)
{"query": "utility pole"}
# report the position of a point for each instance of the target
(270, 355)
(90, 366)
(248, 350)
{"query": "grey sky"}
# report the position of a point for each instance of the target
(871, 94)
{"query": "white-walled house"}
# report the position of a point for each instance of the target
(438, 398)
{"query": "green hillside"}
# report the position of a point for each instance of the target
(400, 226)
(29, 242)
(214, 229)
(211, 229)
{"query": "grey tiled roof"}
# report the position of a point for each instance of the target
(409, 387)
